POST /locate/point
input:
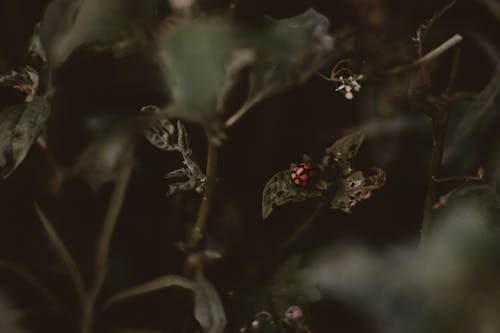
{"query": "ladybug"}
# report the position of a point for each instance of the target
(303, 174)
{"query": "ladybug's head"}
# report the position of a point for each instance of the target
(303, 174)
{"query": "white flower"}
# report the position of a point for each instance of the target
(349, 85)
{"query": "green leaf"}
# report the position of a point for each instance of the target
(347, 147)
(209, 311)
(207, 59)
(20, 126)
(149, 287)
(356, 188)
(279, 191)
(68, 24)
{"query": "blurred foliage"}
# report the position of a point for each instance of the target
(140, 81)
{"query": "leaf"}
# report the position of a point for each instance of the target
(347, 147)
(162, 134)
(209, 311)
(279, 191)
(205, 60)
(356, 188)
(68, 24)
(149, 287)
(20, 126)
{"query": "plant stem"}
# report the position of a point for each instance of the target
(208, 195)
(300, 232)
(439, 124)
(455, 40)
(103, 246)
(63, 252)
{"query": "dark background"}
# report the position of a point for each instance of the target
(304, 119)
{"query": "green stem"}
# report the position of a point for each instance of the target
(206, 204)
(439, 124)
(103, 246)
(208, 195)
(300, 232)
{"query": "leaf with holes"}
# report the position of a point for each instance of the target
(356, 188)
(279, 191)
(20, 126)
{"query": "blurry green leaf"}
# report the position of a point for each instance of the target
(289, 287)
(207, 58)
(20, 126)
(68, 24)
(279, 191)
(113, 146)
(149, 287)
(209, 311)
(478, 202)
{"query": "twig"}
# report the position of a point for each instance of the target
(246, 107)
(458, 178)
(18, 315)
(103, 246)
(429, 57)
(439, 125)
(300, 232)
(206, 203)
(64, 254)
(28, 277)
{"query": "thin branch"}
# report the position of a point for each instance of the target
(429, 57)
(246, 107)
(300, 232)
(108, 228)
(439, 126)
(64, 254)
(103, 246)
(458, 178)
(28, 277)
(206, 204)
(17, 315)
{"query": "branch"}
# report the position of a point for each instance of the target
(429, 57)
(64, 254)
(103, 246)
(28, 277)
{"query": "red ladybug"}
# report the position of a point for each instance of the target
(303, 174)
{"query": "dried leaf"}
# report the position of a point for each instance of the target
(279, 191)
(20, 126)
(164, 135)
(209, 311)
